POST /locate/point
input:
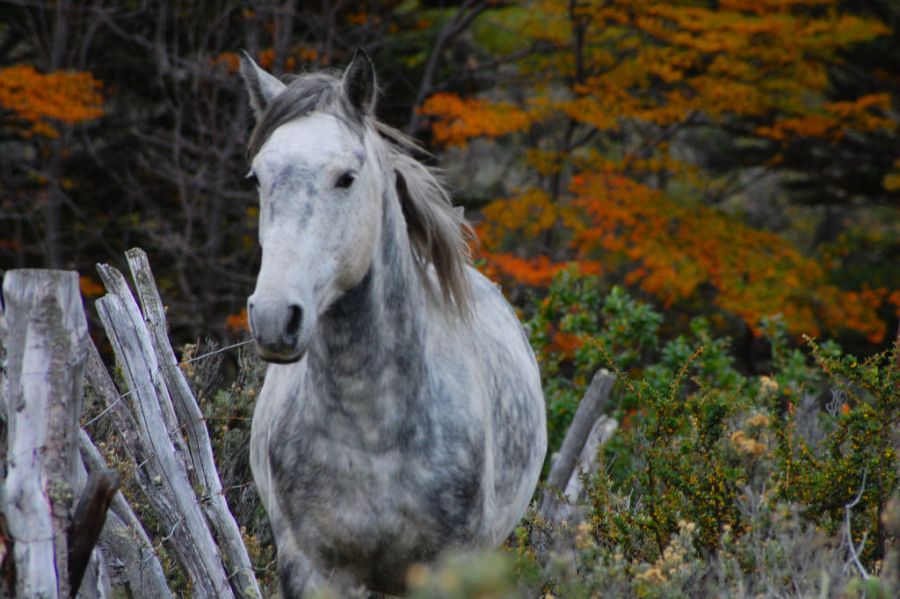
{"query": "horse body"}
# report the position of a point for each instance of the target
(402, 423)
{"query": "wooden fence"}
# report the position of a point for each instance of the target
(65, 530)
(56, 492)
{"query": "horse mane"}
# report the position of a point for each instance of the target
(439, 234)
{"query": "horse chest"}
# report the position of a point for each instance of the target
(382, 509)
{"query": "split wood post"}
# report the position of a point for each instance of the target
(206, 477)
(590, 409)
(601, 432)
(170, 491)
(45, 335)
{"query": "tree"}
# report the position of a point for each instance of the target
(647, 127)
(46, 96)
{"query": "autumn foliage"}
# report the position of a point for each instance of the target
(613, 98)
(735, 159)
(41, 99)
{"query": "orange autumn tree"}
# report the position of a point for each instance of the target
(43, 100)
(618, 97)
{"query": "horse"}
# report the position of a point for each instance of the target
(401, 414)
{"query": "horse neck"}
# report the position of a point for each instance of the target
(368, 354)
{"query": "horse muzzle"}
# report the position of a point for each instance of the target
(278, 328)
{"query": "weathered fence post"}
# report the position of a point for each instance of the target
(205, 475)
(589, 430)
(167, 487)
(124, 537)
(46, 339)
(49, 532)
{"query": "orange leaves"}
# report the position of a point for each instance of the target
(230, 60)
(674, 252)
(459, 119)
(66, 96)
(676, 249)
(90, 287)
(535, 272)
(865, 114)
(529, 213)
(266, 58)
(659, 62)
(620, 94)
(237, 323)
(740, 58)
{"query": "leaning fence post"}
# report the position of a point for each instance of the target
(590, 409)
(45, 336)
(188, 413)
(169, 490)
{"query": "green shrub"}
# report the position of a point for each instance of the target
(755, 473)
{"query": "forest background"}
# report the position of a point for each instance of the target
(675, 190)
(735, 159)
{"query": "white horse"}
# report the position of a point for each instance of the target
(402, 414)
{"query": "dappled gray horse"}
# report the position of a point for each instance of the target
(402, 414)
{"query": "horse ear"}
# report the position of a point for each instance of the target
(261, 86)
(359, 82)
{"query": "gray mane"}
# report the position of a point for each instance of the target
(439, 234)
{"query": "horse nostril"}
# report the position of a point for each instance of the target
(250, 317)
(293, 325)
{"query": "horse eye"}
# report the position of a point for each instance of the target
(251, 176)
(345, 180)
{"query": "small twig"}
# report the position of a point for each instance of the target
(854, 556)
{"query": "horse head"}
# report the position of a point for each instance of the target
(320, 187)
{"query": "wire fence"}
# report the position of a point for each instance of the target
(153, 380)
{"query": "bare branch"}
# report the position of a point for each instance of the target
(848, 535)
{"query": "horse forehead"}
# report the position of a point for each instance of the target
(319, 138)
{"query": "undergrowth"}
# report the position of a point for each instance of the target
(717, 483)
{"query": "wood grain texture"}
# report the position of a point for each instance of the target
(205, 476)
(169, 490)
(45, 335)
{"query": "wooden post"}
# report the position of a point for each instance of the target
(568, 509)
(45, 335)
(590, 409)
(205, 476)
(167, 488)
(124, 537)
